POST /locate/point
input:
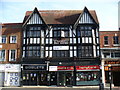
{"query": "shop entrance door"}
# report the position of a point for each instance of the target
(42, 77)
(61, 76)
(65, 78)
(116, 78)
(53, 78)
(68, 78)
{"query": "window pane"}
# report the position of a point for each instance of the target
(12, 55)
(2, 55)
(13, 39)
(3, 39)
(105, 39)
(116, 40)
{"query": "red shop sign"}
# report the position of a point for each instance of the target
(65, 68)
(92, 67)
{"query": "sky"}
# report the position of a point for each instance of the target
(13, 11)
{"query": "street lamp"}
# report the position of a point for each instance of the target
(110, 76)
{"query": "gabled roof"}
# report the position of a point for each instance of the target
(61, 16)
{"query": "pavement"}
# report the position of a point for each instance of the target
(58, 88)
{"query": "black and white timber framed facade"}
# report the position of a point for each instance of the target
(61, 47)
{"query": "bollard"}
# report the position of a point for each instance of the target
(101, 86)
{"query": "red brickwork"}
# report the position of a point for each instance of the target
(8, 30)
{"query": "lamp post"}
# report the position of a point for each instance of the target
(110, 76)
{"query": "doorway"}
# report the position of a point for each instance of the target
(53, 78)
(65, 78)
(116, 78)
(42, 78)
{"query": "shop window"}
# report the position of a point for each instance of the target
(2, 55)
(83, 77)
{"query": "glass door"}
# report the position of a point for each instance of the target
(61, 77)
(53, 78)
(68, 78)
(42, 78)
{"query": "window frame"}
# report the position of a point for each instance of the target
(106, 40)
(11, 41)
(4, 55)
(14, 55)
(115, 39)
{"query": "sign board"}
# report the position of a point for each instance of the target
(65, 68)
(35, 67)
(60, 47)
(12, 67)
(52, 68)
(88, 68)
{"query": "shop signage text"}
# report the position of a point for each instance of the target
(92, 67)
(112, 62)
(65, 68)
(34, 67)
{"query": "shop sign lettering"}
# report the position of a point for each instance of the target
(112, 62)
(34, 67)
(65, 68)
(92, 67)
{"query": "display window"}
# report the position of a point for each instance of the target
(87, 77)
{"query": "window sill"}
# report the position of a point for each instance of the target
(116, 44)
(106, 45)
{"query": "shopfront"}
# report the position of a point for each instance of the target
(61, 75)
(12, 75)
(115, 69)
(35, 75)
(87, 75)
(2, 74)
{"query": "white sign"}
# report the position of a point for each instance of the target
(52, 68)
(2, 67)
(13, 67)
(60, 47)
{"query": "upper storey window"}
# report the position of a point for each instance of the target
(3, 39)
(105, 40)
(116, 40)
(34, 32)
(13, 39)
(60, 32)
(85, 31)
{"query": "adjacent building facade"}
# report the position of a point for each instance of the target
(110, 49)
(52, 47)
(10, 54)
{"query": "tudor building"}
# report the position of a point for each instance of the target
(61, 47)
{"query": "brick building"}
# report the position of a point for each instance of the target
(110, 50)
(10, 53)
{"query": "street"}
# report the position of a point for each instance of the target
(52, 88)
